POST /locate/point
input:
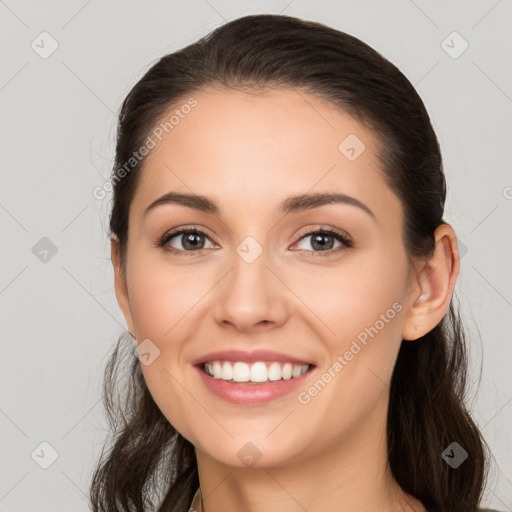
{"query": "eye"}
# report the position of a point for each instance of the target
(321, 239)
(190, 239)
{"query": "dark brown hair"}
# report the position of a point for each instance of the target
(149, 464)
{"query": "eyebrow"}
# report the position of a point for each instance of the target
(292, 204)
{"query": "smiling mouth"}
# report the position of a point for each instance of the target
(259, 372)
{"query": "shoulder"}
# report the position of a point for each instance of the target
(488, 510)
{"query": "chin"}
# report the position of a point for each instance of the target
(251, 452)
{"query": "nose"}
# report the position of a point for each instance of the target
(251, 296)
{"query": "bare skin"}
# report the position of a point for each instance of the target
(248, 153)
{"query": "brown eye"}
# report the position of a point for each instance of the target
(324, 240)
(187, 240)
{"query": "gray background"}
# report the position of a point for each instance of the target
(60, 317)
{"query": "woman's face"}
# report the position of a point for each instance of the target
(260, 279)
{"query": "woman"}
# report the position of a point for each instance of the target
(309, 355)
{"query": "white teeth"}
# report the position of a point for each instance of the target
(258, 372)
(240, 372)
(287, 371)
(274, 371)
(296, 371)
(255, 372)
(227, 372)
(217, 370)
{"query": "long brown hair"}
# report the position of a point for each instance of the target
(148, 463)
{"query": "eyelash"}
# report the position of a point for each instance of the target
(165, 238)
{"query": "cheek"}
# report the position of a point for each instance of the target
(162, 304)
(353, 296)
(358, 317)
(152, 306)
(358, 310)
(163, 298)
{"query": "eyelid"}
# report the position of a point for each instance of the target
(344, 238)
(168, 235)
(322, 228)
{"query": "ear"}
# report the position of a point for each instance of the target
(434, 283)
(120, 283)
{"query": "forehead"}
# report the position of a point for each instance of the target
(258, 148)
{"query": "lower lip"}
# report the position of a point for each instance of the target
(246, 393)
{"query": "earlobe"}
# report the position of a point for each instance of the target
(120, 285)
(434, 286)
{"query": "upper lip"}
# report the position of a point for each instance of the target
(248, 357)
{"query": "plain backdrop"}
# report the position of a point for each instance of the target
(60, 317)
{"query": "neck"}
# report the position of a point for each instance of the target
(350, 475)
